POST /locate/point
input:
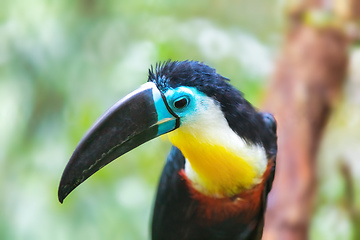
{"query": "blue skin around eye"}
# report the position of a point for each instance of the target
(194, 97)
(192, 94)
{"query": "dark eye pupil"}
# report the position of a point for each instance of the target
(181, 103)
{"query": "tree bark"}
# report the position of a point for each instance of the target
(307, 80)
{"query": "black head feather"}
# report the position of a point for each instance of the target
(239, 113)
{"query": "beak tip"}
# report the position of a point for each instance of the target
(62, 193)
(61, 200)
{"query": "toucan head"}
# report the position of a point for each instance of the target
(184, 95)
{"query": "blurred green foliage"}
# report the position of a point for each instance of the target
(63, 63)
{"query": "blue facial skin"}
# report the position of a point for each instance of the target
(166, 121)
(182, 101)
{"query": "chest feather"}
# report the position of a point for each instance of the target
(219, 163)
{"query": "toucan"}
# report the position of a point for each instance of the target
(220, 169)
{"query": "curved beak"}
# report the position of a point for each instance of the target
(137, 118)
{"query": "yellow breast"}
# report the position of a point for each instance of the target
(216, 164)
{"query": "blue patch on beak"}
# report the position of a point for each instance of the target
(167, 119)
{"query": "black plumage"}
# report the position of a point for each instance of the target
(176, 214)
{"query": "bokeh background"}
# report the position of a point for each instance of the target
(63, 63)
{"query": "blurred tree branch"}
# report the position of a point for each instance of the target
(308, 78)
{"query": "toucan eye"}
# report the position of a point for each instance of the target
(181, 102)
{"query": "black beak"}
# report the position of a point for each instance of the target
(137, 118)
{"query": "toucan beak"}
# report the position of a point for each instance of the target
(137, 118)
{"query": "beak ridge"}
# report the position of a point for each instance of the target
(137, 118)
